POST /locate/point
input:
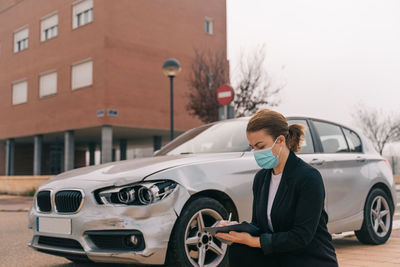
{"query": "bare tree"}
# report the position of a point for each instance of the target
(253, 86)
(209, 71)
(380, 127)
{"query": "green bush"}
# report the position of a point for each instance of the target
(30, 193)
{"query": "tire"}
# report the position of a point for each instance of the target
(378, 218)
(187, 243)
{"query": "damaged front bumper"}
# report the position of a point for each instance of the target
(112, 233)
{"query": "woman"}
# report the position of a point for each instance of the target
(288, 202)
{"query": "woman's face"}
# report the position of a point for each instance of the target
(261, 140)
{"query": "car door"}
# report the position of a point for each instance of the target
(310, 150)
(345, 169)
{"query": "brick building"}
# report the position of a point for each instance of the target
(81, 81)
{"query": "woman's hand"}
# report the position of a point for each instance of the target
(243, 238)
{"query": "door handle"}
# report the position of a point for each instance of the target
(360, 159)
(317, 161)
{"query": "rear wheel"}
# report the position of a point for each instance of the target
(378, 215)
(189, 244)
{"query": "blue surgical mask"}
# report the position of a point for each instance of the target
(265, 158)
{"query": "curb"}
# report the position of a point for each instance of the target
(10, 203)
(14, 210)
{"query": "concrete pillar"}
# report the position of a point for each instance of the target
(113, 154)
(92, 150)
(106, 143)
(37, 154)
(10, 148)
(122, 149)
(69, 150)
(156, 142)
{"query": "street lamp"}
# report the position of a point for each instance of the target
(171, 68)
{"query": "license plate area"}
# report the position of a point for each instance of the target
(53, 225)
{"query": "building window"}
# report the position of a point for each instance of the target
(21, 39)
(48, 84)
(209, 26)
(20, 92)
(82, 13)
(82, 74)
(49, 27)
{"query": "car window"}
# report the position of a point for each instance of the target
(332, 137)
(307, 145)
(227, 136)
(353, 140)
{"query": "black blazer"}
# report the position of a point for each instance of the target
(300, 236)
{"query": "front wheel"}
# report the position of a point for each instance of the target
(189, 244)
(378, 215)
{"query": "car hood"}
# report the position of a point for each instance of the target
(129, 171)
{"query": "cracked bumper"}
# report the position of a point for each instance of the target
(154, 222)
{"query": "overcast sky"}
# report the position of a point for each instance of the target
(333, 55)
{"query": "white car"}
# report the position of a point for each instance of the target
(154, 210)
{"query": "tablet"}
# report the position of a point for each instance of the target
(240, 227)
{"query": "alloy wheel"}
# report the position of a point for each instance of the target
(202, 249)
(380, 216)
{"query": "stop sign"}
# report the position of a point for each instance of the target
(225, 94)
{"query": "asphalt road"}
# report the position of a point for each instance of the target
(14, 235)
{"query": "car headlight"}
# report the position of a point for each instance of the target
(136, 194)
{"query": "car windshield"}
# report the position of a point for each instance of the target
(229, 136)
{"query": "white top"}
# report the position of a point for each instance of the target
(273, 187)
